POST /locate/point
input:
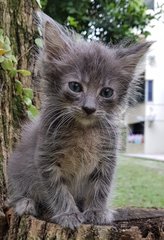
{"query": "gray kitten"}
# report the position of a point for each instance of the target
(62, 170)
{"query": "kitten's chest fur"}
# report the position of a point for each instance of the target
(80, 153)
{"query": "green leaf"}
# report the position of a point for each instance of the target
(25, 73)
(1, 31)
(11, 57)
(72, 21)
(2, 59)
(6, 45)
(27, 101)
(32, 112)
(1, 41)
(1, 37)
(30, 116)
(28, 93)
(7, 64)
(39, 42)
(18, 87)
(7, 41)
(38, 1)
(13, 72)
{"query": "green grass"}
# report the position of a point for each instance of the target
(139, 183)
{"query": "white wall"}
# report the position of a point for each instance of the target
(135, 114)
(154, 132)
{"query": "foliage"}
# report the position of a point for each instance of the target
(139, 183)
(38, 42)
(8, 63)
(110, 21)
(39, 3)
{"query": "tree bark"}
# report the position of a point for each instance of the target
(16, 20)
(129, 224)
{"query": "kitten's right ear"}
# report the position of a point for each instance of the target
(56, 38)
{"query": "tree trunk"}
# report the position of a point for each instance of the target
(17, 23)
(130, 224)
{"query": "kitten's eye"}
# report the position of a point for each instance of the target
(106, 92)
(75, 87)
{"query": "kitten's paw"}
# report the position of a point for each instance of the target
(72, 220)
(98, 217)
(25, 206)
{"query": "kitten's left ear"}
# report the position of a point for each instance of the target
(56, 38)
(132, 59)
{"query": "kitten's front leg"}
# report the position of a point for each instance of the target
(99, 184)
(59, 201)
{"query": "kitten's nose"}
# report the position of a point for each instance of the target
(89, 110)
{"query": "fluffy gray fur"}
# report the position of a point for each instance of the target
(62, 169)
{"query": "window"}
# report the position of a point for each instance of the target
(136, 133)
(149, 90)
(137, 128)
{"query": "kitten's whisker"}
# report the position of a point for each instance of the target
(54, 115)
(60, 116)
(65, 120)
(108, 125)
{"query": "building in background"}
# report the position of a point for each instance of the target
(145, 122)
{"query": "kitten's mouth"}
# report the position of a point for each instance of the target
(86, 120)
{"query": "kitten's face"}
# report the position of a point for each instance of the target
(85, 101)
(88, 84)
